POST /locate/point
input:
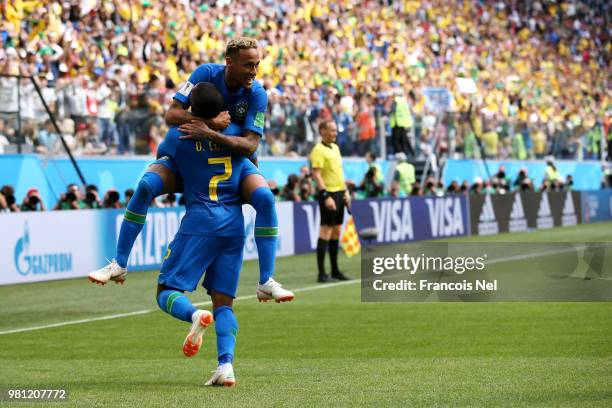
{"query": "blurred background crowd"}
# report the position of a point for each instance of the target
(400, 181)
(108, 70)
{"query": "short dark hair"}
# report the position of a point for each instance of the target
(293, 179)
(7, 190)
(206, 100)
(324, 124)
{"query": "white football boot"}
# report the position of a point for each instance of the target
(201, 320)
(223, 376)
(112, 271)
(273, 290)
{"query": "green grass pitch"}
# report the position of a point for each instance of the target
(325, 348)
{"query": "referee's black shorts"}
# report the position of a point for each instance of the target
(332, 217)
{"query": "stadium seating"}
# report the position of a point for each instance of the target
(540, 69)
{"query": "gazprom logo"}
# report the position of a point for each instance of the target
(27, 263)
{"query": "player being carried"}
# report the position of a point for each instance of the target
(210, 239)
(246, 103)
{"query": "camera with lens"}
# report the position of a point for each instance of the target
(90, 197)
(33, 200)
(113, 196)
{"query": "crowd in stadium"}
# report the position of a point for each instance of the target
(108, 70)
(302, 187)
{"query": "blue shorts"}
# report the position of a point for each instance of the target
(189, 257)
(247, 169)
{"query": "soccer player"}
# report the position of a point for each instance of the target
(247, 101)
(327, 172)
(210, 239)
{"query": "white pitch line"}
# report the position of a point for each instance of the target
(538, 254)
(142, 312)
(60, 324)
(304, 289)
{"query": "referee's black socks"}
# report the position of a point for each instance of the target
(333, 256)
(321, 249)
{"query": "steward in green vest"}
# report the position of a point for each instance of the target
(404, 174)
(401, 116)
(401, 120)
(593, 142)
(518, 147)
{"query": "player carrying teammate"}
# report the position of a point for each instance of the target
(246, 101)
(210, 240)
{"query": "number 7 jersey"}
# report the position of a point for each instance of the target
(211, 179)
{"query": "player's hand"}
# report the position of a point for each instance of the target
(196, 130)
(330, 204)
(220, 122)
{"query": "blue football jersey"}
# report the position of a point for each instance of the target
(211, 178)
(247, 107)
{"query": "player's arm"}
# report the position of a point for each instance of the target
(253, 128)
(244, 146)
(178, 113)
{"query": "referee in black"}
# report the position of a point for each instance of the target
(326, 163)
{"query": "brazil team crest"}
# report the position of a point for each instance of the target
(241, 109)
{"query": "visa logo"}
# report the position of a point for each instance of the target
(445, 216)
(393, 220)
